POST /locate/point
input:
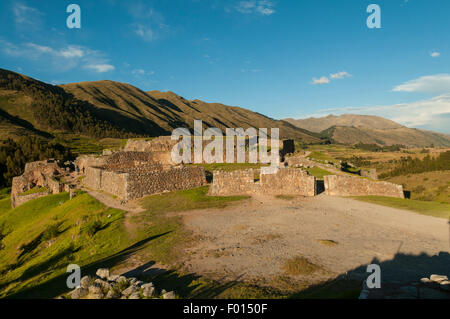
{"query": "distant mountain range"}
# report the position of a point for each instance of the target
(353, 129)
(113, 109)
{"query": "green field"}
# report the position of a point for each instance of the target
(318, 172)
(434, 209)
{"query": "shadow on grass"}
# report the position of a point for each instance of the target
(57, 286)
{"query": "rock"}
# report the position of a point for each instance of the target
(445, 285)
(425, 280)
(104, 284)
(95, 289)
(103, 273)
(130, 290)
(86, 281)
(138, 283)
(135, 295)
(149, 285)
(113, 278)
(112, 294)
(78, 293)
(169, 295)
(132, 280)
(438, 278)
(148, 292)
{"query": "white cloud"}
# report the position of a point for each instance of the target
(142, 72)
(333, 76)
(321, 80)
(435, 54)
(61, 59)
(72, 52)
(24, 14)
(145, 32)
(100, 68)
(437, 84)
(262, 7)
(340, 75)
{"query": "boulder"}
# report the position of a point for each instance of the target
(113, 278)
(112, 294)
(121, 279)
(135, 295)
(95, 289)
(103, 273)
(78, 293)
(104, 284)
(438, 278)
(149, 285)
(148, 292)
(130, 290)
(86, 281)
(169, 295)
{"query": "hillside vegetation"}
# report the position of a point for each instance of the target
(159, 113)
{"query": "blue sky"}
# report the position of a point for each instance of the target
(282, 58)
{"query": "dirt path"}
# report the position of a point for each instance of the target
(251, 241)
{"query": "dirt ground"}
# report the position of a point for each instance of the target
(250, 241)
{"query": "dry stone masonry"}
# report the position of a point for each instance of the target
(356, 186)
(287, 181)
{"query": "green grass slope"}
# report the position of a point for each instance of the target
(42, 237)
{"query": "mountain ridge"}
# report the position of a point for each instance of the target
(370, 129)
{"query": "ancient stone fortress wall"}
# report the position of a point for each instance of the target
(154, 182)
(287, 181)
(131, 175)
(37, 174)
(356, 186)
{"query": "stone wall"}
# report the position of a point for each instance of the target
(356, 186)
(22, 199)
(37, 174)
(84, 161)
(140, 181)
(153, 182)
(287, 181)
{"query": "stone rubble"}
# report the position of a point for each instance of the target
(106, 286)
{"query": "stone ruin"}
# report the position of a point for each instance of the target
(356, 186)
(131, 174)
(144, 167)
(287, 181)
(46, 175)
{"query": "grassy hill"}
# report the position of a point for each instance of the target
(30, 106)
(354, 129)
(158, 113)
